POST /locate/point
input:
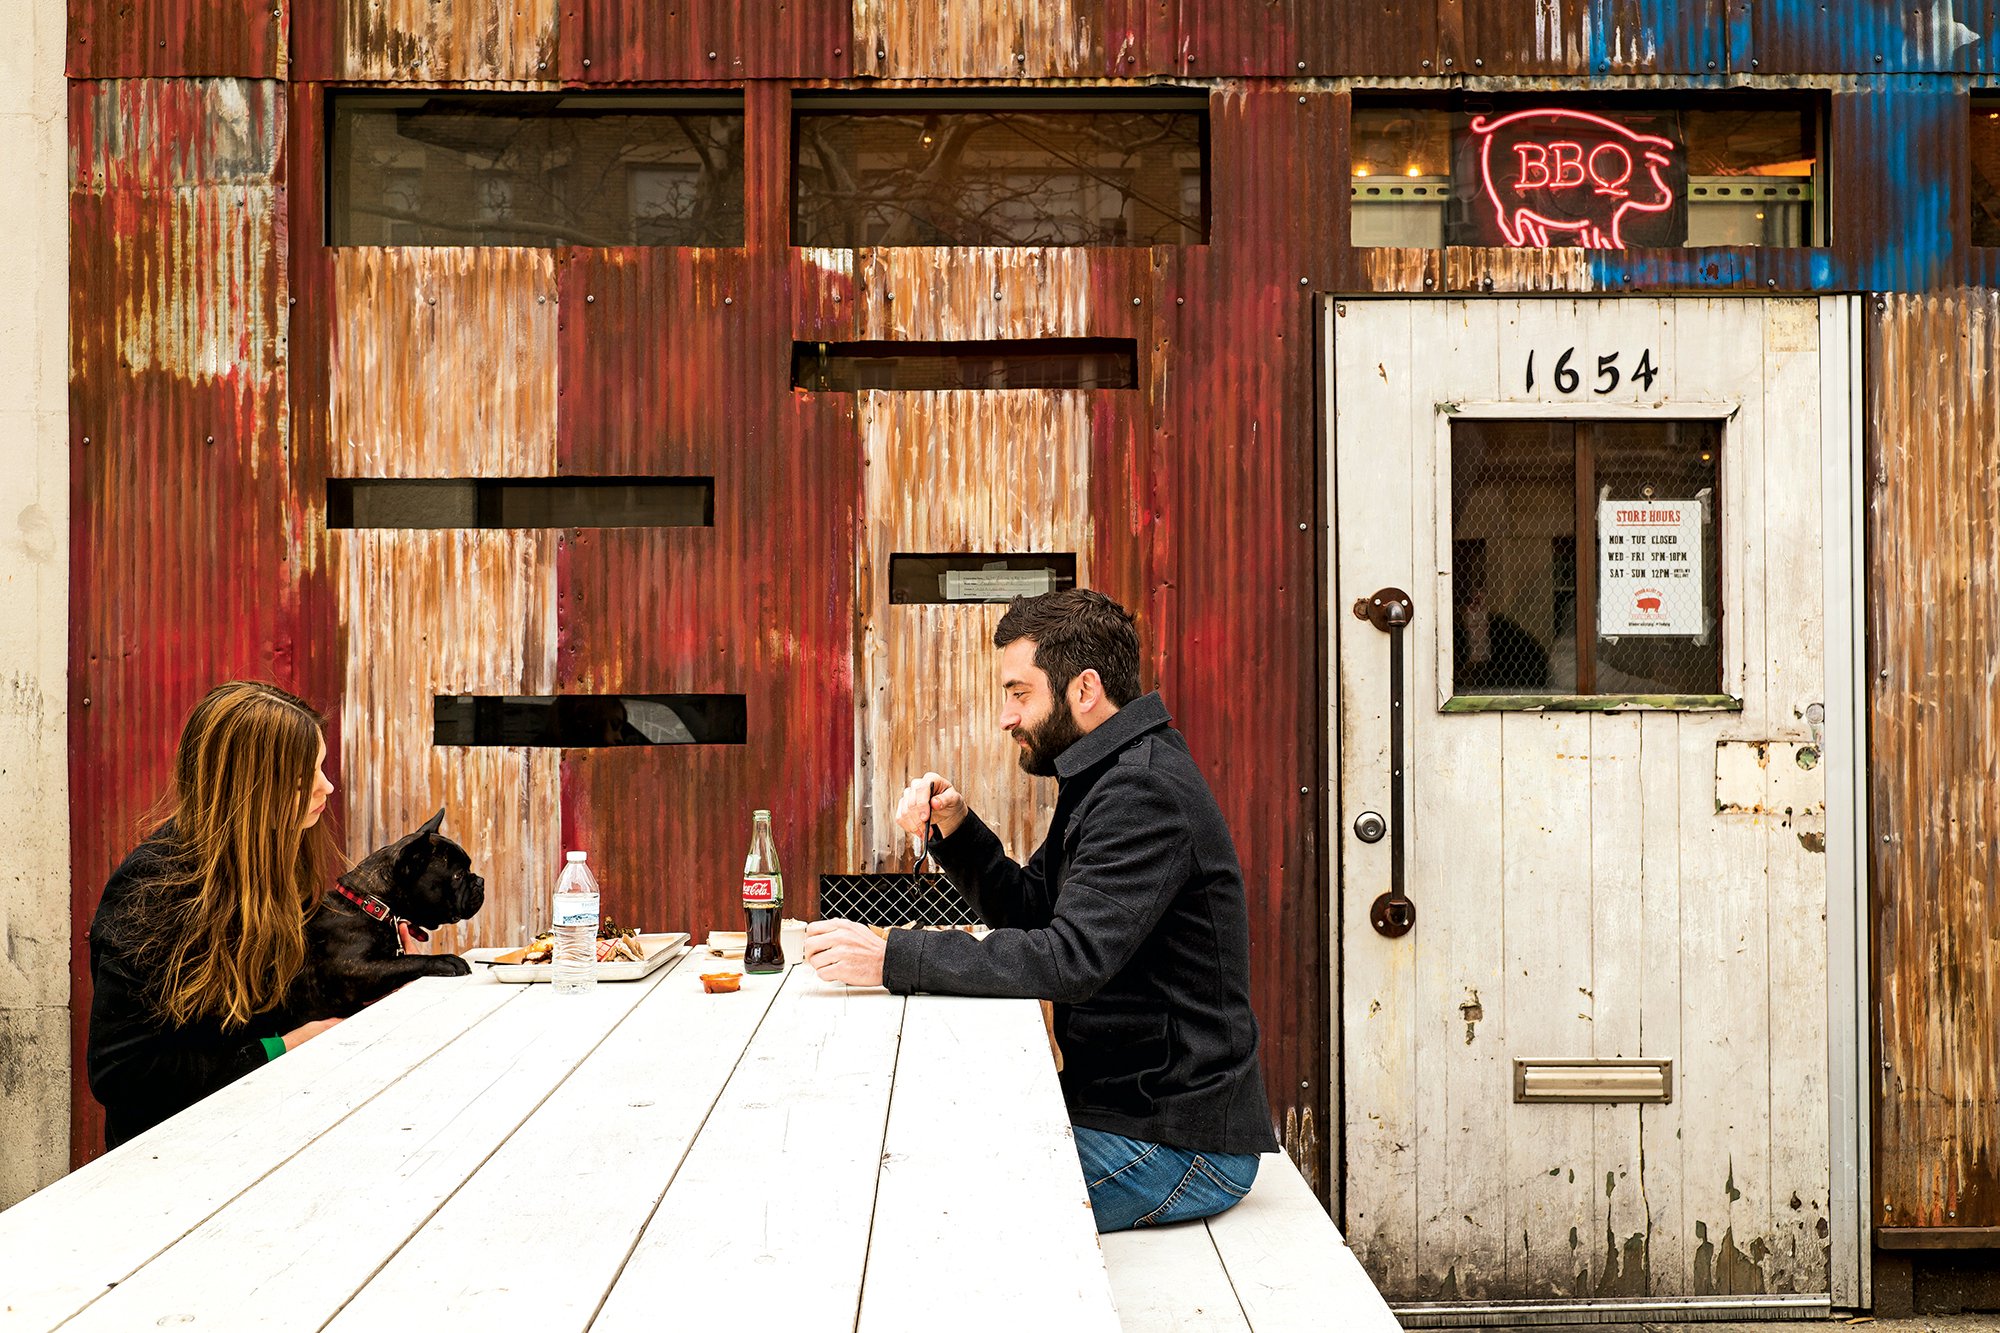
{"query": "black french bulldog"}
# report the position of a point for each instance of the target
(354, 955)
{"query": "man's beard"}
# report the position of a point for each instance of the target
(1047, 739)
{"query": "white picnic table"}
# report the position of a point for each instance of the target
(468, 1154)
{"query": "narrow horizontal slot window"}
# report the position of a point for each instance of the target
(1985, 192)
(588, 721)
(519, 502)
(1049, 363)
(925, 170)
(533, 169)
(935, 579)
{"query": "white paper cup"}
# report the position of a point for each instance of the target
(792, 939)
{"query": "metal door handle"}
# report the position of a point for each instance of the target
(1390, 610)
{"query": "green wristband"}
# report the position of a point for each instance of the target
(273, 1047)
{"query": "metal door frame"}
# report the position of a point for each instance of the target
(1842, 556)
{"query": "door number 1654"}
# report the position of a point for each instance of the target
(1568, 379)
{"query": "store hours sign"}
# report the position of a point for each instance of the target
(1649, 568)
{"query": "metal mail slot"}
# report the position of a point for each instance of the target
(1594, 1081)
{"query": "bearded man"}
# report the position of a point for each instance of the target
(1130, 917)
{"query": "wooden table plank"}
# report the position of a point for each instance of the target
(292, 1250)
(1288, 1263)
(90, 1231)
(767, 1220)
(581, 1176)
(981, 1210)
(1171, 1280)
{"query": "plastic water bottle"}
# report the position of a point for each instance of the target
(573, 969)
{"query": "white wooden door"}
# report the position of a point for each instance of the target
(1642, 878)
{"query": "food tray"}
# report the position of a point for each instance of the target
(660, 950)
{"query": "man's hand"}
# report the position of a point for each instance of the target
(947, 807)
(842, 951)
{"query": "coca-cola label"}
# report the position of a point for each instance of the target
(763, 890)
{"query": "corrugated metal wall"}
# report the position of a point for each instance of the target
(1934, 635)
(226, 362)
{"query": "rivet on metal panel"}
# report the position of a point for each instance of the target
(588, 299)
(1885, 670)
(729, 300)
(1486, 284)
(586, 62)
(541, 64)
(1429, 283)
(1302, 64)
(1135, 300)
(86, 703)
(1711, 64)
(1302, 527)
(86, 440)
(1020, 57)
(1603, 66)
(996, 296)
(1479, 62)
(1305, 282)
(888, 296)
(1753, 64)
(1302, 100)
(1447, 62)
(711, 55)
(1304, 790)
(1771, 283)
(1180, 300)
(1885, 837)
(1427, 64)
(837, 51)
(209, 440)
(836, 298)
(291, 300)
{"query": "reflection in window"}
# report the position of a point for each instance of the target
(1641, 613)
(897, 172)
(1030, 363)
(1986, 172)
(1735, 172)
(535, 170)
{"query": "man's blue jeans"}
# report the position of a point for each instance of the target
(1138, 1184)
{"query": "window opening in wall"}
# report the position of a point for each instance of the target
(1585, 561)
(1599, 173)
(520, 502)
(587, 721)
(1985, 191)
(920, 579)
(1046, 363)
(532, 169)
(1103, 170)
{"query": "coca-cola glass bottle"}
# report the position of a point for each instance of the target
(763, 900)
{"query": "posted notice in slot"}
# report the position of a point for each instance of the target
(1649, 568)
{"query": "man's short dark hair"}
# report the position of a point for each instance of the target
(1074, 631)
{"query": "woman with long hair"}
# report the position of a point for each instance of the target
(201, 930)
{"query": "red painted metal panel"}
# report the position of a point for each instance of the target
(625, 41)
(678, 362)
(182, 522)
(175, 38)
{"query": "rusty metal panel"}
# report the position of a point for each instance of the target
(1488, 38)
(999, 39)
(1933, 423)
(444, 362)
(1901, 222)
(116, 39)
(922, 293)
(424, 613)
(1865, 36)
(681, 365)
(185, 566)
(623, 41)
(438, 41)
(1004, 472)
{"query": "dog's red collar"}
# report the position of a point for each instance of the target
(379, 910)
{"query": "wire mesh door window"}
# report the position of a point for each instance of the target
(1640, 612)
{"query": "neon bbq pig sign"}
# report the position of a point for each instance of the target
(1565, 177)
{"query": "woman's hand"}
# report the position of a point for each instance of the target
(308, 1032)
(933, 795)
